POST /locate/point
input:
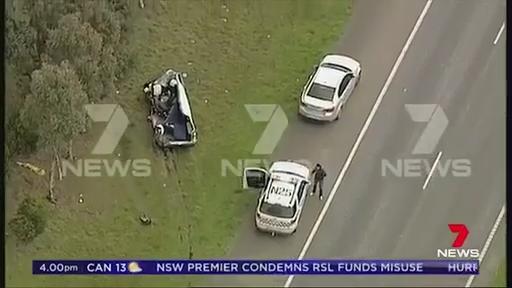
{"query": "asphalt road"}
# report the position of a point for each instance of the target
(452, 62)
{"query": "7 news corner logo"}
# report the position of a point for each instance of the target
(457, 251)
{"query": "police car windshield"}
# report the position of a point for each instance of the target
(277, 210)
(287, 172)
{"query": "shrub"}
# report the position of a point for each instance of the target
(21, 139)
(30, 220)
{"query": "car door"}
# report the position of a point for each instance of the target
(255, 178)
(301, 195)
(351, 85)
(342, 89)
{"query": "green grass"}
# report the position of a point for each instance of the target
(261, 54)
(501, 276)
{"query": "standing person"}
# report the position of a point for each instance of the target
(318, 180)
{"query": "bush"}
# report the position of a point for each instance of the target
(20, 138)
(21, 50)
(30, 220)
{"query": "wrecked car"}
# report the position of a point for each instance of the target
(170, 113)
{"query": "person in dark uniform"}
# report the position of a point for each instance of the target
(318, 180)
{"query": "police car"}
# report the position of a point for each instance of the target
(283, 194)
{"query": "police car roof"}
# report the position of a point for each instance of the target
(282, 190)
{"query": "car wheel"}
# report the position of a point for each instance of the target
(294, 231)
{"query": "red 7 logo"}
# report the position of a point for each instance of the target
(462, 233)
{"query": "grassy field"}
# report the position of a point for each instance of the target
(501, 276)
(235, 53)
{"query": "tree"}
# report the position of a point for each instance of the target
(103, 18)
(57, 98)
(44, 16)
(107, 69)
(107, 21)
(20, 139)
(79, 43)
(30, 220)
(21, 48)
(86, 33)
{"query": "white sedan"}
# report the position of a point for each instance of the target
(328, 88)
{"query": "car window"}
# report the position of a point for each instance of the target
(310, 78)
(344, 84)
(322, 92)
(277, 210)
(337, 67)
(301, 190)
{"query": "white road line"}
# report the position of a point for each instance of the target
(360, 138)
(499, 34)
(488, 242)
(432, 169)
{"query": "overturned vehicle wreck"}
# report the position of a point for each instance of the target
(170, 114)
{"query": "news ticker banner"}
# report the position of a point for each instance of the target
(255, 267)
